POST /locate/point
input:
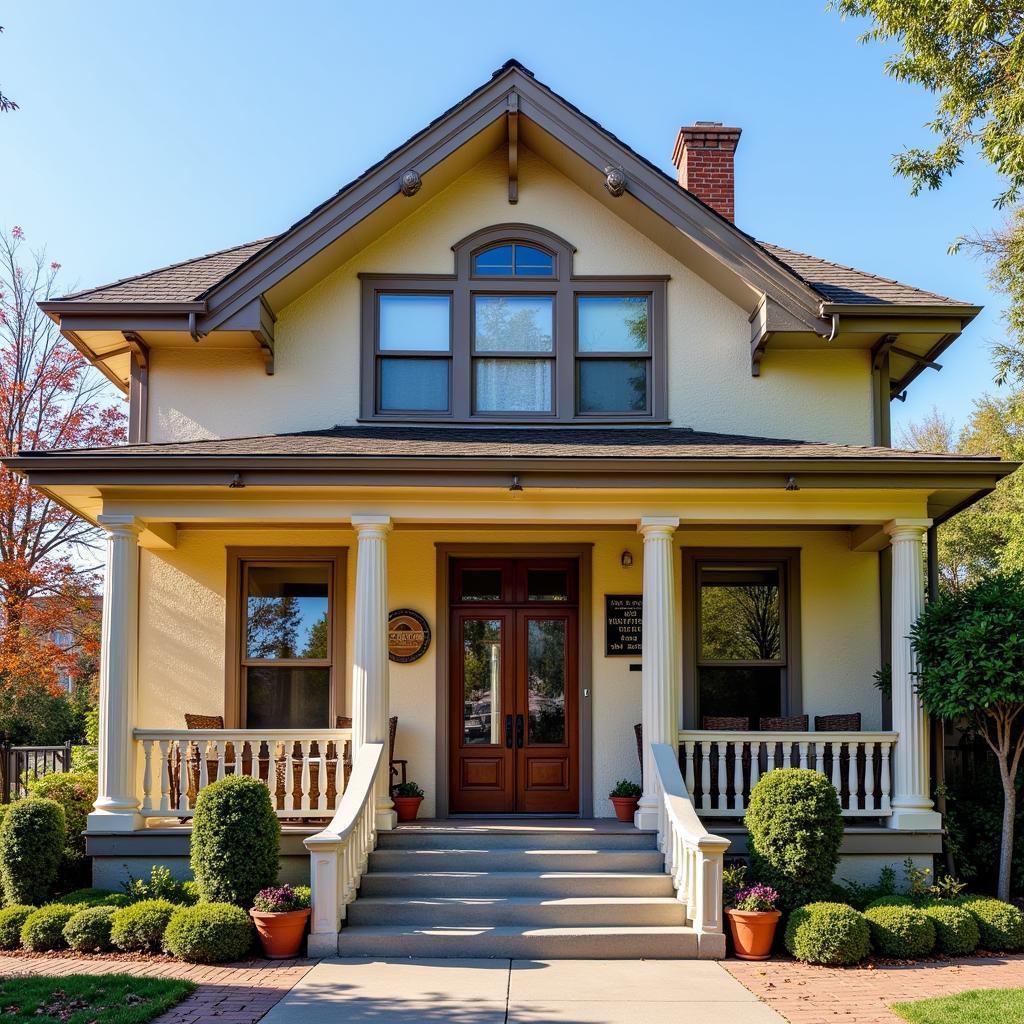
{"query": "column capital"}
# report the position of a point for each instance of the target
(120, 523)
(658, 526)
(372, 524)
(907, 529)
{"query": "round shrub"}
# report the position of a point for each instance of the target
(891, 901)
(795, 827)
(12, 920)
(900, 932)
(209, 933)
(828, 933)
(31, 840)
(89, 930)
(956, 930)
(76, 793)
(141, 926)
(190, 892)
(44, 928)
(96, 898)
(1001, 925)
(235, 841)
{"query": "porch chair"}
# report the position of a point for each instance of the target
(735, 723)
(837, 723)
(784, 723)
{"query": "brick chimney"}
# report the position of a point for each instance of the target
(704, 156)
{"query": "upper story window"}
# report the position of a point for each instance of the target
(513, 336)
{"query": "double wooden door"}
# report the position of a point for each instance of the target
(514, 729)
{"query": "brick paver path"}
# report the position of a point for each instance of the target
(227, 993)
(825, 995)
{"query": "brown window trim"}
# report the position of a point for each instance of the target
(564, 286)
(237, 559)
(788, 560)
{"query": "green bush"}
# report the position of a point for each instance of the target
(795, 827)
(956, 930)
(141, 926)
(235, 841)
(828, 933)
(44, 928)
(209, 933)
(95, 898)
(900, 932)
(89, 930)
(12, 919)
(76, 793)
(190, 892)
(1001, 924)
(162, 885)
(892, 901)
(31, 841)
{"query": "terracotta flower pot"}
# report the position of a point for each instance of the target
(625, 807)
(753, 932)
(407, 807)
(281, 934)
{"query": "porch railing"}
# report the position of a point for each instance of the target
(305, 769)
(721, 768)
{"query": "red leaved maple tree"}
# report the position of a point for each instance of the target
(49, 398)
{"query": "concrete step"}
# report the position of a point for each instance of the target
(541, 912)
(477, 858)
(562, 839)
(515, 883)
(528, 943)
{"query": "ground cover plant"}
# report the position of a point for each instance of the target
(87, 999)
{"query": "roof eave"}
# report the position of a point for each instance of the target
(907, 309)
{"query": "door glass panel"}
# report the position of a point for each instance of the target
(547, 585)
(480, 585)
(279, 697)
(481, 680)
(740, 614)
(286, 611)
(545, 680)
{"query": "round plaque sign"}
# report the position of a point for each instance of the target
(408, 635)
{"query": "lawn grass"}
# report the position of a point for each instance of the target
(983, 1006)
(88, 998)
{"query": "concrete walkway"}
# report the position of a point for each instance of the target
(520, 992)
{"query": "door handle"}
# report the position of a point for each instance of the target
(520, 729)
(508, 731)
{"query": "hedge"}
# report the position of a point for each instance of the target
(956, 930)
(88, 931)
(235, 841)
(1001, 924)
(31, 844)
(44, 928)
(209, 933)
(76, 793)
(900, 932)
(12, 920)
(141, 926)
(832, 934)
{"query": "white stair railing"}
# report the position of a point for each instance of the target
(693, 857)
(338, 855)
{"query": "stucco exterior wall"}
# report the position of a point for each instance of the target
(200, 392)
(182, 630)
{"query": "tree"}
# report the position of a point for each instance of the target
(970, 54)
(6, 103)
(970, 651)
(49, 398)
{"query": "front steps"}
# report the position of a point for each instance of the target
(522, 889)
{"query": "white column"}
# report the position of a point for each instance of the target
(659, 713)
(911, 805)
(117, 806)
(370, 698)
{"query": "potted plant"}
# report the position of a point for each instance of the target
(408, 797)
(752, 920)
(625, 796)
(280, 915)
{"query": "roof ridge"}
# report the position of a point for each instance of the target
(160, 270)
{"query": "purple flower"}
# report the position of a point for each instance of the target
(756, 897)
(279, 899)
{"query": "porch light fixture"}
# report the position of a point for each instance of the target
(515, 485)
(791, 484)
(627, 559)
(236, 481)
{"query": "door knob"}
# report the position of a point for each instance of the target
(508, 731)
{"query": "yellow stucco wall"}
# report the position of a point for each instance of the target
(182, 629)
(199, 392)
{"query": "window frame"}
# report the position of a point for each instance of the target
(563, 285)
(236, 662)
(787, 561)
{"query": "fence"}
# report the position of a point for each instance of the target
(20, 766)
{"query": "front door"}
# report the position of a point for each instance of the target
(513, 686)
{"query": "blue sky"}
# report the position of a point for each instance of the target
(150, 133)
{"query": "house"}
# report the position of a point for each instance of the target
(603, 460)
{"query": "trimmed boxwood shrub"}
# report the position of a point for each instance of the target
(235, 841)
(209, 933)
(12, 919)
(44, 928)
(795, 826)
(1001, 924)
(956, 930)
(832, 934)
(89, 930)
(141, 926)
(31, 841)
(900, 932)
(96, 898)
(190, 892)
(892, 901)
(76, 793)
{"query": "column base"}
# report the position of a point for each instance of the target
(385, 820)
(114, 821)
(914, 819)
(646, 819)
(322, 945)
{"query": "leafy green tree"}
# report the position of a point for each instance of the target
(970, 650)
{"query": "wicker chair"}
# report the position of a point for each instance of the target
(848, 723)
(837, 723)
(736, 723)
(784, 723)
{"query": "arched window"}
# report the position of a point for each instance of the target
(513, 336)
